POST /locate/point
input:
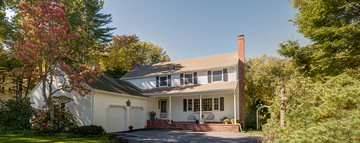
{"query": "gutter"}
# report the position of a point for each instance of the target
(175, 72)
(119, 94)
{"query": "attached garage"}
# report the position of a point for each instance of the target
(136, 117)
(115, 119)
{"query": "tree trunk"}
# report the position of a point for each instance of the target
(20, 89)
(27, 87)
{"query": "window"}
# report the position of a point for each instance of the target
(207, 104)
(184, 105)
(196, 105)
(216, 103)
(189, 104)
(217, 75)
(163, 81)
(188, 78)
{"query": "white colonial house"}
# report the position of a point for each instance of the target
(212, 85)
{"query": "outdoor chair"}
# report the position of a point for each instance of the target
(210, 117)
(191, 117)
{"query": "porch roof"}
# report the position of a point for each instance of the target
(192, 88)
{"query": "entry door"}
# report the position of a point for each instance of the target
(163, 109)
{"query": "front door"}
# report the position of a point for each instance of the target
(163, 109)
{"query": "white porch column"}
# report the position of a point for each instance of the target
(200, 110)
(169, 109)
(235, 106)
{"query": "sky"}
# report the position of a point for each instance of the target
(196, 28)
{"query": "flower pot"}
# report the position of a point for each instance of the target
(197, 122)
(232, 122)
(152, 116)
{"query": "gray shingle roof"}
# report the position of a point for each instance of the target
(213, 61)
(110, 84)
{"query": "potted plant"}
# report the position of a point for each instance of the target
(222, 120)
(196, 120)
(152, 115)
(232, 121)
(226, 121)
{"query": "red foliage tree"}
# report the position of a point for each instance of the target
(45, 40)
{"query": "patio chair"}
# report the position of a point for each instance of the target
(191, 117)
(210, 117)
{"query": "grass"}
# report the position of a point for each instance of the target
(62, 138)
(254, 131)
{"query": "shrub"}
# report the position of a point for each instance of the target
(87, 130)
(317, 112)
(62, 122)
(15, 115)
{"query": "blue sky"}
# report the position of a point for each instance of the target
(196, 28)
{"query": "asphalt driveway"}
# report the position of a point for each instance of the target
(162, 135)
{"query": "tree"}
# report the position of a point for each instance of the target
(44, 39)
(334, 30)
(317, 112)
(115, 72)
(151, 54)
(263, 76)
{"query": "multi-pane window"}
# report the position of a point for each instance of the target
(196, 105)
(217, 75)
(207, 104)
(163, 81)
(216, 103)
(189, 104)
(188, 78)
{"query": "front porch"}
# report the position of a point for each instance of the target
(164, 124)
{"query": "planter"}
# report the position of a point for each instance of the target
(197, 122)
(152, 116)
(232, 122)
(224, 122)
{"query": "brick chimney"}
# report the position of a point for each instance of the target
(134, 65)
(241, 76)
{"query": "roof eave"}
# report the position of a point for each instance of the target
(191, 92)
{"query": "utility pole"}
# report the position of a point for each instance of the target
(283, 108)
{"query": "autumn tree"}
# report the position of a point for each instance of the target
(333, 28)
(263, 76)
(44, 40)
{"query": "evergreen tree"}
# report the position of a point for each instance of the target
(333, 26)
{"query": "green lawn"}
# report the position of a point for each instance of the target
(19, 138)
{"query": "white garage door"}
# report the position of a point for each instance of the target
(136, 117)
(115, 119)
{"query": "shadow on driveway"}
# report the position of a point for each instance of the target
(162, 135)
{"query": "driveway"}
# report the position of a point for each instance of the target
(162, 135)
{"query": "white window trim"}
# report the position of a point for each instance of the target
(166, 81)
(212, 76)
